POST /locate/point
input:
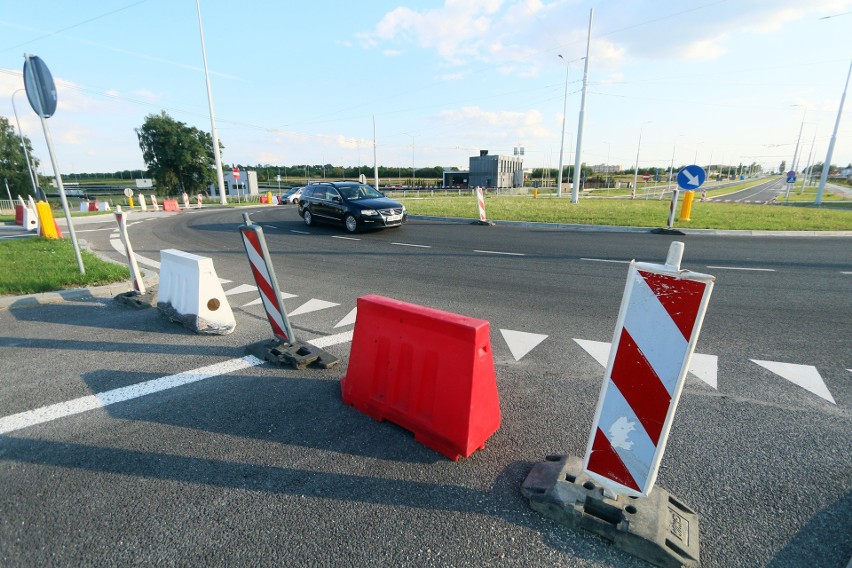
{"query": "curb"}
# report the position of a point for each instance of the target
(107, 291)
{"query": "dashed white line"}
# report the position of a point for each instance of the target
(344, 238)
(606, 260)
(500, 252)
(299, 232)
(841, 272)
(742, 268)
(412, 245)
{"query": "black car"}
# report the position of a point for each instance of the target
(354, 205)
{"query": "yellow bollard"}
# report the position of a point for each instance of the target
(130, 199)
(45, 220)
(686, 208)
(269, 198)
(535, 193)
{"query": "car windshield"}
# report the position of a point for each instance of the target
(360, 191)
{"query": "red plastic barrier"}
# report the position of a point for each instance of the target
(429, 371)
(19, 214)
(263, 199)
(170, 205)
(93, 205)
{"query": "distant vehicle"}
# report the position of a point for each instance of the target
(291, 197)
(354, 205)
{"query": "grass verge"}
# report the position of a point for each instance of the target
(33, 265)
(637, 213)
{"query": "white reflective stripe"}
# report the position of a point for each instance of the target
(655, 333)
(257, 260)
(273, 312)
(633, 446)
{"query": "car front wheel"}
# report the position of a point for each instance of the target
(309, 219)
(351, 223)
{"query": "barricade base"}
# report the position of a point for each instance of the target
(195, 322)
(666, 231)
(297, 355)
(485, 223)
(659, 528)
(136, 300)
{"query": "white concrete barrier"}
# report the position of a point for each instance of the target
(142, 202)
(30, 216)
(190, 293)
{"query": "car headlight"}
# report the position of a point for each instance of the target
(369, 212)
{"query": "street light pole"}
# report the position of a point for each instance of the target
(24, 146)
(562, 140)
(796, 152)
(825, 167)
(636, 169)
(220, 178)
(577, 173)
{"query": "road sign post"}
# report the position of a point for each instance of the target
(41, 92)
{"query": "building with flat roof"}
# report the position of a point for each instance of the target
(488, 170)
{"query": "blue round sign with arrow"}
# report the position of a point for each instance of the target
(691, 177)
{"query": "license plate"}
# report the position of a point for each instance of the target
(392, 218)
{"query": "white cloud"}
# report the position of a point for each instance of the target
(526, 125)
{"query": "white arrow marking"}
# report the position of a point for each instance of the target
(312, 305)
(597, 349)
(520, 342)
(691, 179)
(327, 340)
(241, 289)
(805, 376)
(349, 319)
(284, 296)
(703, 367)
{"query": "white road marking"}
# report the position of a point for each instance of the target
(116, 244)
(323, 342)
(805, 376)
(703, 367)
(521, 342)
(312, 305)
(299, 232)
(499, 252)
(349, 319)
(106, 398)
(344, 238)
(241, 289)
(606, 260)
(742, 268)
(845, 272)
(269, 226)
(412, 245)
(284, 296)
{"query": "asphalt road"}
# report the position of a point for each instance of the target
(253, 464)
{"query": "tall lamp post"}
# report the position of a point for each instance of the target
(827, 165)
(562, 139)
(220, 177)
(636, 169)
(575, 195)
(24, 146)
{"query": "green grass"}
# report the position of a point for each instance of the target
(32, 265)
(636, 213)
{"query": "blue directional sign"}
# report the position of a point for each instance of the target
(691, 177)
(791, 177)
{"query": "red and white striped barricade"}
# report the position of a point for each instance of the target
(185, 200)
(480, 203)
(609, 491)
(284, 349)
(658, 325)
(135, 275)
(154, 203)
(198, 199)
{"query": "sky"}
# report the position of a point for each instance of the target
(724, 81)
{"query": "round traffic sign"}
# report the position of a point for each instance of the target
(128, 192)
(646, 177)
(39, 85)
(236, 173)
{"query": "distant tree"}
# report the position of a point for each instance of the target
(13, 162)
(179, 157)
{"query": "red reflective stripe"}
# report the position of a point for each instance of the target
(640, 386)
(605, 462)
(251, 236)
(680, 298)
